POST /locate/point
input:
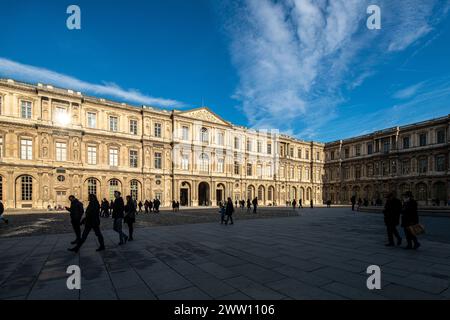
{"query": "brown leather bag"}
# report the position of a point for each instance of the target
(417, 229)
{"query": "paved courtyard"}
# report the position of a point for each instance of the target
(319, 254)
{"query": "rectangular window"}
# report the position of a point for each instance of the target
(259, 171)
(92, 155)
(318, 156)
(26, 149)
(236, 143)
(114, 157)
(440, 136)
(134, 127)
(259, 147)
(440, 163)
(299, 153)
(92, 120)
(386, 146)
(158, 160)
(307, 174)
(25, 107)
(220, 165)
(185, 133)
(307, 154)
(291, 152)
(423, 165)
(347, 153)
(185, 162)
(236, 168)
(332, 155)
(113, 124)
(406, 167)
(406, 142)
(158, 130)
(269, 148)
(358, 172)
(249, 169)
(220, 138)
(133, 158)
(249, 145)
(369, 148)
(358, 150)
(61, 151)
(423, 139)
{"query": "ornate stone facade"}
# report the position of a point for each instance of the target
(409, 158)
(56, 142)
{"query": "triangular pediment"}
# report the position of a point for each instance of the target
(204, 114)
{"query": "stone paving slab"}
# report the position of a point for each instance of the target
(320, 254)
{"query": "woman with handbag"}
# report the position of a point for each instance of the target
(410, 218)
(130, 216)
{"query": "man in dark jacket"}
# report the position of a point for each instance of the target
(156, 204)
(91, 222)
(392, 211)
(76, 212)
(229, 211)
(410, 217)
(2, 209)
(118, 209)
(255, 204)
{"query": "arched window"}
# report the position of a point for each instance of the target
(92, 186)
(1, 188)
(114, 185)
(261, 193)
(204, 163)
(134, 188)
(204, 135)
(270, 194)
(27, 188)
(421, 191)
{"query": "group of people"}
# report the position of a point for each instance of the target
(226, 212)
(393, 210)
(149, 206)
(121, 213)
(249, 204)
(175, 206)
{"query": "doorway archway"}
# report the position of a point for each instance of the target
(220, 193)
(203, 194)
(185, 194)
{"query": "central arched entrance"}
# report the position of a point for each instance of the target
(185, 194)
(203, 194)
(220, 193)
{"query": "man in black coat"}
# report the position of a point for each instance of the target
(2, 209)
(76, 212)
(392, 211)
(118, 209)
(91, 222)
(410, 217)
(353, 201)
(255, 204)
(229, 211)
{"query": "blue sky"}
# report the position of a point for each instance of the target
(309, 68)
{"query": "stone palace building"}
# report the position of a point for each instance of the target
(56, 142)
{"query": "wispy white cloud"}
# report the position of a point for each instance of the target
(408, 92)
(295, 58)
(24, 72)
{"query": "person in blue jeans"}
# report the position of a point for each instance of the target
(222, 211)
(118, 209)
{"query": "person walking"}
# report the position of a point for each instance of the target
(174, 206)
(91, 221)
(105, 208)
(353, 201)
(111, 204)
(222, 211)
(229, 211)
(249, 206)
(359, 204)
(146, 206)
(118, 209)
(392, 211)
(150, 206)
(178, 206)
(2, 210)
(76, 213)
(130, 216)
(156, 204)
(294, 204)
(311, 203)
(255, 204)
(300, 205)
(140, 206)
(410, 217)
